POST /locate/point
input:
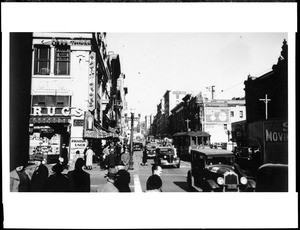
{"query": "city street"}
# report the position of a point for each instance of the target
(174, 179)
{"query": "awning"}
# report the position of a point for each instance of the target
(193, 134)
(96, 133)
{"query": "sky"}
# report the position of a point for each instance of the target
(156, 62)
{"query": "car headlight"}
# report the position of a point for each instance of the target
(243, 180)
(220, 180)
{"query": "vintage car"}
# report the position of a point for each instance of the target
(214, 170)
(272, 178)
(137, 146)
(151, 149)
(166, 155)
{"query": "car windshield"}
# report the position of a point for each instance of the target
(226, 160)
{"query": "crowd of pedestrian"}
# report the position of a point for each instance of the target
(113, 159)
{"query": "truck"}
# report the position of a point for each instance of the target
(261, 142)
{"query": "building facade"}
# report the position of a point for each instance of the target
(73, 93)
(161, 122)
(198, 113)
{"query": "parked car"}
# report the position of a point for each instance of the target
(166, 155)
(151, 149)
(272, 178)
(137, 146)
(214, 170)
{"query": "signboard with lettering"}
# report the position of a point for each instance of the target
(78, 122)
(77, 143)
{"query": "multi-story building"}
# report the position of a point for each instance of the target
(266, 125)
(169, 100)
(74, 92)
(198, 113)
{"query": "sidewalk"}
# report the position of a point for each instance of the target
(97, 175)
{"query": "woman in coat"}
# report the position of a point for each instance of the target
(78, 178)
(19, 180)
(39, 175)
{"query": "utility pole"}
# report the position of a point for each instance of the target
(130, 167)
(212, 91)
(266, 100)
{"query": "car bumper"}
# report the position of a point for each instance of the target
(165, 162)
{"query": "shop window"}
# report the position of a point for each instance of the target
(42, 60)
(62, 60)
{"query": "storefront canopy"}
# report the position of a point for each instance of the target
(192, 134)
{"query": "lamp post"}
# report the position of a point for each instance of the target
(131, 143)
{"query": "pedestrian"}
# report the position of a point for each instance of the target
(76, 156)
(109, 186)
(122, 180)
(64, 154)
(105, 153)
(144, 158)
(84, 154)
(89, 158)
(156, 170)
(111, 159)
(19, 180)
(118, 151)
(78, 178)
(39, 175)
(154, 184)
(57, 182)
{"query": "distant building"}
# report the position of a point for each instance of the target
(196, 113)
(161, 122)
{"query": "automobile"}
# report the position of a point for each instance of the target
(166, 156)
(215, 170)
(151, 149)
(272, 177)
(137, 146)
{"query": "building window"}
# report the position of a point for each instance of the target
(232, 113)
(225, 126)
(241, 114)
(62, 60)
(42, 60)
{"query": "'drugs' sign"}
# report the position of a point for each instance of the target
(77, 143)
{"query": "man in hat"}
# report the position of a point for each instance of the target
(39, 175)
(57, 182)
(109, 186)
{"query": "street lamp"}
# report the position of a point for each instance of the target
(130, 167)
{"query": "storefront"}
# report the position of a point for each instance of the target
(49, 126)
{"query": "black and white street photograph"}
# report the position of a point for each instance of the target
(115, 118)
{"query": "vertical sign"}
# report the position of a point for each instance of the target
(91, 82)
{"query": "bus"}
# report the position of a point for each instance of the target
(184, 142)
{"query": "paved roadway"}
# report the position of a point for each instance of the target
(174, 179)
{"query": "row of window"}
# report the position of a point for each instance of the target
(43, 59)
(241, 114)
